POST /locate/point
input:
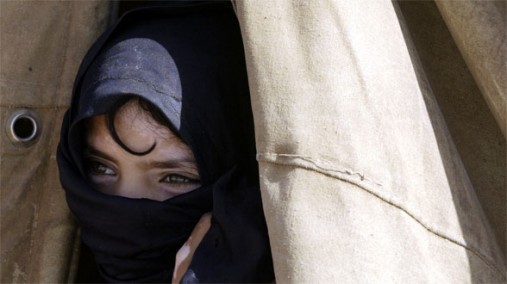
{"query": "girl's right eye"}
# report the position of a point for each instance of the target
(97, 168)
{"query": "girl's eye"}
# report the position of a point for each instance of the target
(178, 179)
(97, 168)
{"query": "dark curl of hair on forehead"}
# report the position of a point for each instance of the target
(144, 105)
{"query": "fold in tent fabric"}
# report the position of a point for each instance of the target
(479, 29)
(378, 131)
(471, 124)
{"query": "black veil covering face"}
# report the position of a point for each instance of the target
(187, 61)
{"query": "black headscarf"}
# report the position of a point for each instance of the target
(188, 62)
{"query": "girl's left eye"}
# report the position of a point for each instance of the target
(97, 168)
(174, 178)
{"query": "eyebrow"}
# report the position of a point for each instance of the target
(94, 151)
(185, 163)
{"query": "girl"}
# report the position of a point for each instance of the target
(158, 135)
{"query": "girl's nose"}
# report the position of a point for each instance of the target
(132, 185)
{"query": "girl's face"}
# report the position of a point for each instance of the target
(167, 171)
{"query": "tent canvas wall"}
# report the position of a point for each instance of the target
(380, 131)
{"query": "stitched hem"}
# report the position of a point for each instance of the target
(358, 179)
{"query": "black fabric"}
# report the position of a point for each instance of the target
(188, 61)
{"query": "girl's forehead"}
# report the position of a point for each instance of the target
(136, 129)
(132, 120)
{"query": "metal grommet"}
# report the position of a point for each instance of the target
(23, 126)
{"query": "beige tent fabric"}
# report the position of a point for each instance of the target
(471, 124)
(480, 31)
(42, 43)
(377, 127)
(360, 176)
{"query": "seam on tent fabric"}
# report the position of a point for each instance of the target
(358, 179)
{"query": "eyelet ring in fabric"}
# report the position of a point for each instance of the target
(23, 127)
